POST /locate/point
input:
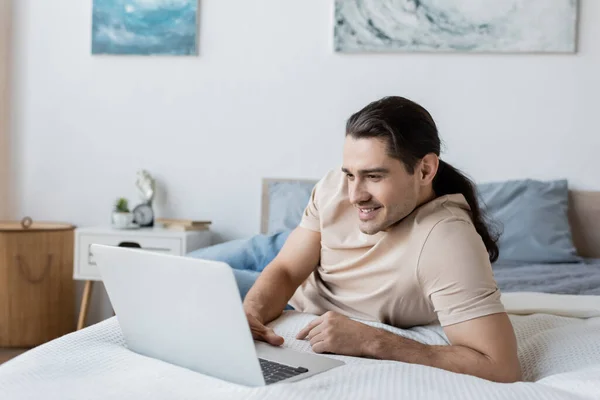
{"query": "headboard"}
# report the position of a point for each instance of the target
(584, 216)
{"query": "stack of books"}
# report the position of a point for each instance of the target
(183, 224)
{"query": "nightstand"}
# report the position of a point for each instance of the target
(159, 240)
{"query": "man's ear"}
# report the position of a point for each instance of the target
(428, 168)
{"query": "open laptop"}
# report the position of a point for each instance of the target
(189, 312)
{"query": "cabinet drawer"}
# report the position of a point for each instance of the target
(87, 266)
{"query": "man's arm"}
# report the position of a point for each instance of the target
(455, 273)
(296, 260)
(484, 347)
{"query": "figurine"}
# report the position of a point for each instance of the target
(146, 185)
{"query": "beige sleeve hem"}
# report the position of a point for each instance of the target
(457, 318)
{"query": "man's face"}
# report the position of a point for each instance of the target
(379, 186)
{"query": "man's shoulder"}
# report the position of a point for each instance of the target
(449, 228)
(444, 210)
(331, 185)
(449, 238)
(445, 215)
(332, 178)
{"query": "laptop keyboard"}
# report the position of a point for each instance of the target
(275, 372)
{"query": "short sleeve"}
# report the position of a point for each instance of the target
(310, 216)
(456, 275)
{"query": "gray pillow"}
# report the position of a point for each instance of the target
(533, 220)
(287, 201)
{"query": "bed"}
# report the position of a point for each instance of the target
(556, 320)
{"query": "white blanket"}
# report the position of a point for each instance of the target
(560, 357)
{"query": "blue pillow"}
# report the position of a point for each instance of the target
(533, 220)
(252, 254)
(287, 201)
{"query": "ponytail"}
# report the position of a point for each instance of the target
(450, 180)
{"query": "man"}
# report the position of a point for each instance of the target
(396, 235)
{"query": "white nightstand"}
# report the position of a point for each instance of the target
(159, 240)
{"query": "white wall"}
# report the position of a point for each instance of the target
(5, 29)
(268, 97)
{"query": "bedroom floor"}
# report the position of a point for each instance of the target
(7, 354)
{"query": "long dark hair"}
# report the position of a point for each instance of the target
(411, 134)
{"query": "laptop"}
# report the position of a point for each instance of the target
(188, 312)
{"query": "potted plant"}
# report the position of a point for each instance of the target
(122, 217)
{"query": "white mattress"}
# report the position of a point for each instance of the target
(559, 354)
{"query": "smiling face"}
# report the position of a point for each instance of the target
(379, 186)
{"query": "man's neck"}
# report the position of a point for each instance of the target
(426, 196)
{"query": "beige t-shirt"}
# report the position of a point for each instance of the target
(431, 266)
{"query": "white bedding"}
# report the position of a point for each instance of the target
(559, 354)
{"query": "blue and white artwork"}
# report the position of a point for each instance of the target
(145, 27)
(455, 25)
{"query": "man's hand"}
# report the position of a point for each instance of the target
(335, 333)
(267, 298)
(262, 332)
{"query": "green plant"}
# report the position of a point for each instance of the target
(122, 205)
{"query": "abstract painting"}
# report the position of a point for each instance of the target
(144, 27)
(455, 26)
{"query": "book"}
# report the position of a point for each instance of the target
(184, 228)
(182, 222)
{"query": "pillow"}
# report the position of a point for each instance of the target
(533, 219)
(287, 201)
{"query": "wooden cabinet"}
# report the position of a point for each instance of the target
(37, 299)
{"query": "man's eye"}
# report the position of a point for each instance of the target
(373, 177)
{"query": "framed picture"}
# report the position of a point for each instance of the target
(501, 26)
(145, 27)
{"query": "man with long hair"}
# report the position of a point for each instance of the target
(395, 235)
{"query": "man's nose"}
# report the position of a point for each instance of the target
(357, 194)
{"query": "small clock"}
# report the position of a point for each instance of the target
(144, 215)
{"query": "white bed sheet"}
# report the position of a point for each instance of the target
(559, 354)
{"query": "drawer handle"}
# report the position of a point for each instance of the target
(26, 273)
(130, 244)
(137, 246)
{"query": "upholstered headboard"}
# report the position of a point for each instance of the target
(584, 214)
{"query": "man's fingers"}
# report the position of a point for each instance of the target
(262, 333)
(304, 332)
(258, 330)
(320, 347)
(273, 338)
(258, 334)
(314, 332)
(319, 337)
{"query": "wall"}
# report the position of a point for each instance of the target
(267, 97)
(5, 13)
